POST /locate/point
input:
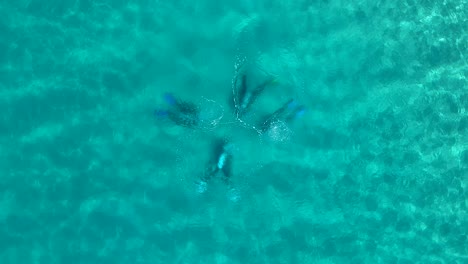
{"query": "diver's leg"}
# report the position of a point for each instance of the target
(243, 88)
(170, 99)
(239, 92)
(260, 88)
(215, 165)
(244, 98)
(180, 112)
(277, 115)
(202, 184)
(180, 105)
(253, 95)
(233, 193)
(227, 169)
(161, 113)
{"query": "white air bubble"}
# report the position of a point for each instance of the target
(202, 187)
(211, 113)
(278, 131)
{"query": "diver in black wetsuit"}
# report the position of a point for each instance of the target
(220, 165)
(245, 98)
(182, 113)
(286, 113)
(221, 162)
(188, 115)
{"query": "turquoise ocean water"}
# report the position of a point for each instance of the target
(374, 171)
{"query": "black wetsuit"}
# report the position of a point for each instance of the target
(221, 162)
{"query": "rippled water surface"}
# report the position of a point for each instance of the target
(354, 151)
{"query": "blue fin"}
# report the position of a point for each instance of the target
(292, 103)
(170, 99)
(161, 113)
(300, 111)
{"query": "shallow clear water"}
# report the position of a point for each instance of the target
(374, 171)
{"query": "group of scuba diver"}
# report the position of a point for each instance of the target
(187, 114)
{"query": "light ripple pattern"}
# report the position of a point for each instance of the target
(369, 164)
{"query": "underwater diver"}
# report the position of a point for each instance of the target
(220, 165)
(180, 112)
(288, 112)
(220, 162)
(245, 98)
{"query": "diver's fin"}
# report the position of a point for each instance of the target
(280, 111)
(159, 113)
(296, 112)
(170, 99)
(291, 104)
(300, 111)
